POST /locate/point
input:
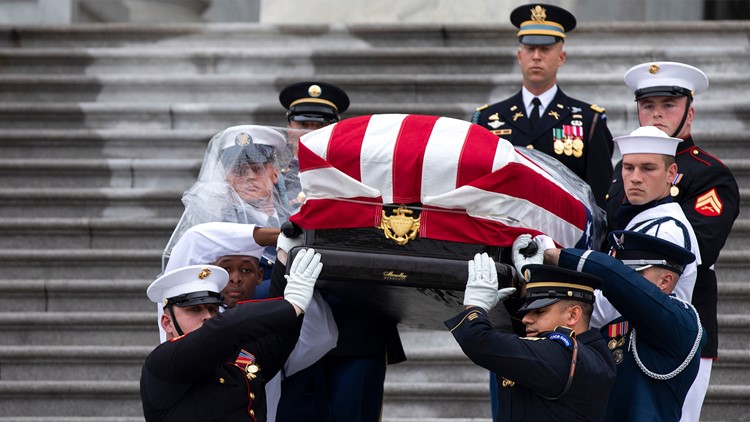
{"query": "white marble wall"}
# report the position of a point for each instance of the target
(330, 11)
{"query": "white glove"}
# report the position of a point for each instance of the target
(301, 279)
(544, 242)
(519, 259)
(481, 286)
(285, 244)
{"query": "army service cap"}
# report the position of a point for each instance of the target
(640, 251)
(312, 101)
(665, 79)
(547, 284)
(192, 285)
(542, 24)
(647, 140)
(249, 144)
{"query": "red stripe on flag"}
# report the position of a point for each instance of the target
(458, 227)
(520, 181)
(309, 160)
(338, 214)
(477, 155)
(408, 158)
(345, 146)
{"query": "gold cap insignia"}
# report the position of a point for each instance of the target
(538, 14)
(204, 273)
(314, 91)
(653, 69)
(243, 139)
(400, 227)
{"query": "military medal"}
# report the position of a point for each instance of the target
(246, 361)
(557, 135)
(674, 190)
(573, 139)
(612, 344)
(617, 355)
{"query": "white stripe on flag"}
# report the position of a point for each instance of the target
(331, 183)
(508, 210)
(376, 163)
(317, 141)
(441, 156)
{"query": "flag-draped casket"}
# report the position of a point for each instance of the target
(397, 204)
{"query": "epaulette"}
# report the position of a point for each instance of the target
(597, 109)
(475, 116)
(562, 335)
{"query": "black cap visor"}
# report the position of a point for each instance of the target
(662, 91)
(534, 304)
(196, 298)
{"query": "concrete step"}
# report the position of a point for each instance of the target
(84, 264)
(308, 62)
(72, 363)
(652, 34)
(75, 295)
(86, 233)
(734, 297)
(726, 116)
(129, 203)
(605, 88)
(103, 173)
(48, 418)
(79, 328)
(70, 399)
(738, 238)
(127, 143)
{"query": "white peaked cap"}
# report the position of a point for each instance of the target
(665, 79)
(191, 279)
(207, 242)
(647, 140)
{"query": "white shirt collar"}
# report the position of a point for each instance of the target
(545, 98)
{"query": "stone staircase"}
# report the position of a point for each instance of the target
(102, 127)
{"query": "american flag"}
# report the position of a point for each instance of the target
(473, 187)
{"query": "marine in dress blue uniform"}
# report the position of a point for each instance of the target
(573, 131)
(705, 188)
(558, 375)
(206, 373)
(656, 343)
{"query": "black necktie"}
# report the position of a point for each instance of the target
(534, 116)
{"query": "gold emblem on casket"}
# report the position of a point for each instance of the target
(400, 226)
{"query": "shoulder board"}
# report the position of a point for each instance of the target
(482, 107)
(597, 109)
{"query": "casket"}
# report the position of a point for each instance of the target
(398, 204)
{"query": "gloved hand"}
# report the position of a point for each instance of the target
(544, 242)
(285, 244)
(301, 279)
(519, 259)
(481, 286)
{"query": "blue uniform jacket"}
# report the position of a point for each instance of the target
(199, 376)
(591, 160)
(529, 368)
(666, 331)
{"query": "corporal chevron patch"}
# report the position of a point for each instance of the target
(709, 204)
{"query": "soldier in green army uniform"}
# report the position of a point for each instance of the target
(541, 116)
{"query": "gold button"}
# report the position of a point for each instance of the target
(695, 152)
(606, 197)
(221, 380)
(529, 146)
(252, 396)
(252, 412)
